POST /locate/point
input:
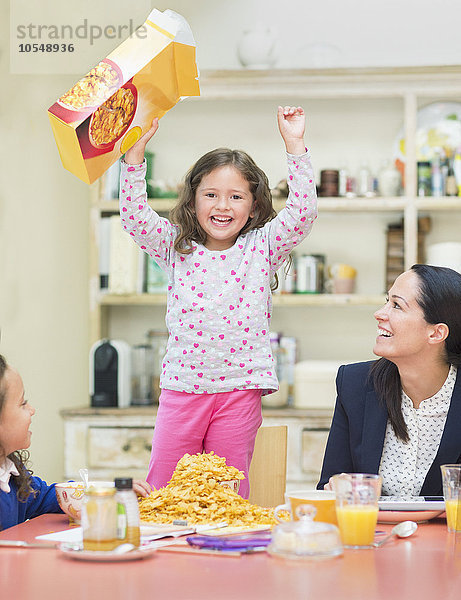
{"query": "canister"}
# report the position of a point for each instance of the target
(310, 274)
(142, 375)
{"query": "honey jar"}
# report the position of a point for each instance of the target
(99, 519)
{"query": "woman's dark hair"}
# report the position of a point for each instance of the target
(19, 457)
(183, 214)
(439, 297)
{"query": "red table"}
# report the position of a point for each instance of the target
(425, 566)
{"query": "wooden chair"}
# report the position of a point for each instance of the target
(268, 469)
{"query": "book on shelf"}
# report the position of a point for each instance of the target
(127, 262)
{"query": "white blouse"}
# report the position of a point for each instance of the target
(6, 470)
(404, 465)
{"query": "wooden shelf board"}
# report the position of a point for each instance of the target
(278, 299)
(335, 83)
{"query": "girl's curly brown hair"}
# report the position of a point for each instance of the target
(183, 214)
(20, 458)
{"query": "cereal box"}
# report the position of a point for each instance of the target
(108, 110)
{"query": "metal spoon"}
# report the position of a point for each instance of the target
(124, 548)
(402, 530)
(84, 475)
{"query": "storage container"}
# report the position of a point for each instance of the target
(315, 383)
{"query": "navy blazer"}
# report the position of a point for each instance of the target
(356, 438)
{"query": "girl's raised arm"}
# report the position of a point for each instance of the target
(291, 121)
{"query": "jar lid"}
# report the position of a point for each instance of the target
(306, 538)
(100, 491)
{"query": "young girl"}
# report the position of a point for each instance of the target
(22, 496)
(221, 253)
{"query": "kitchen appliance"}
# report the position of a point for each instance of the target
(142, 375)
(110, 373)
(310, 274)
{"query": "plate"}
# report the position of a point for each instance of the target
(390, 516)
(438, 127)
(411, 503)
(71, 551)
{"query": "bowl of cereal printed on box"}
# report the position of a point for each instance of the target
(111, 120)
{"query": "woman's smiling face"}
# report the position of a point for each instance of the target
(223, 205)
(402, 330)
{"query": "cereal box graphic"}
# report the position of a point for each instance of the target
(108, 110)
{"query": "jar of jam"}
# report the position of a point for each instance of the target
(99, 519)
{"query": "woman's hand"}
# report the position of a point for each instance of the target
(135, 154)
(142, 488)
(291, 122)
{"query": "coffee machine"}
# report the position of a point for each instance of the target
(110, 374)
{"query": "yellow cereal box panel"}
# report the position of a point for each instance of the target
(100, 117)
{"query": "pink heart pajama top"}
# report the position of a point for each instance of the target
(219, 303)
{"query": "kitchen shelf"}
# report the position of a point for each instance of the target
(278, 299)
(410, 85)
(336, 204)
(246, 84)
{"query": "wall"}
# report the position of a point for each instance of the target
(44, 209)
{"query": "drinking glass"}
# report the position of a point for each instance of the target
(451, 477)
(357, 496)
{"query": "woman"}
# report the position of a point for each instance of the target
(400, 416)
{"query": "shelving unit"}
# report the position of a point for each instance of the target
(410, 85)
(335, 320)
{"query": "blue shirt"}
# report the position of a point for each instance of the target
(13, 511)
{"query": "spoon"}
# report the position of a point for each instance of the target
(124, 548)
(402, 530)
(84, 475)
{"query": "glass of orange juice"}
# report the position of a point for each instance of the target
(357, 496)
(451, 477)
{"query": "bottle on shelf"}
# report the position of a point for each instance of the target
(365, 182)
(342, 182)
(128, 528)
(424, 178)
(436, 176)
(457, 169)
(451, 189)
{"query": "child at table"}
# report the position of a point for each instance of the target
(22, 495)
(221, 253)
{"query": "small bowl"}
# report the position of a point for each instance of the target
(70, 496)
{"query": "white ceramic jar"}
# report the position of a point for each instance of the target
(257, 47)
(389, 181)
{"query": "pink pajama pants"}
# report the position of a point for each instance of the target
(190, 423)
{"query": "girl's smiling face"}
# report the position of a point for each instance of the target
(223, 205)
(16, 414)
(402, 330)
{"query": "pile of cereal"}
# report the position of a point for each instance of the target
(195, 495)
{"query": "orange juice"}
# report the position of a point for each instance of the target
(357, 523)
(453, 509)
